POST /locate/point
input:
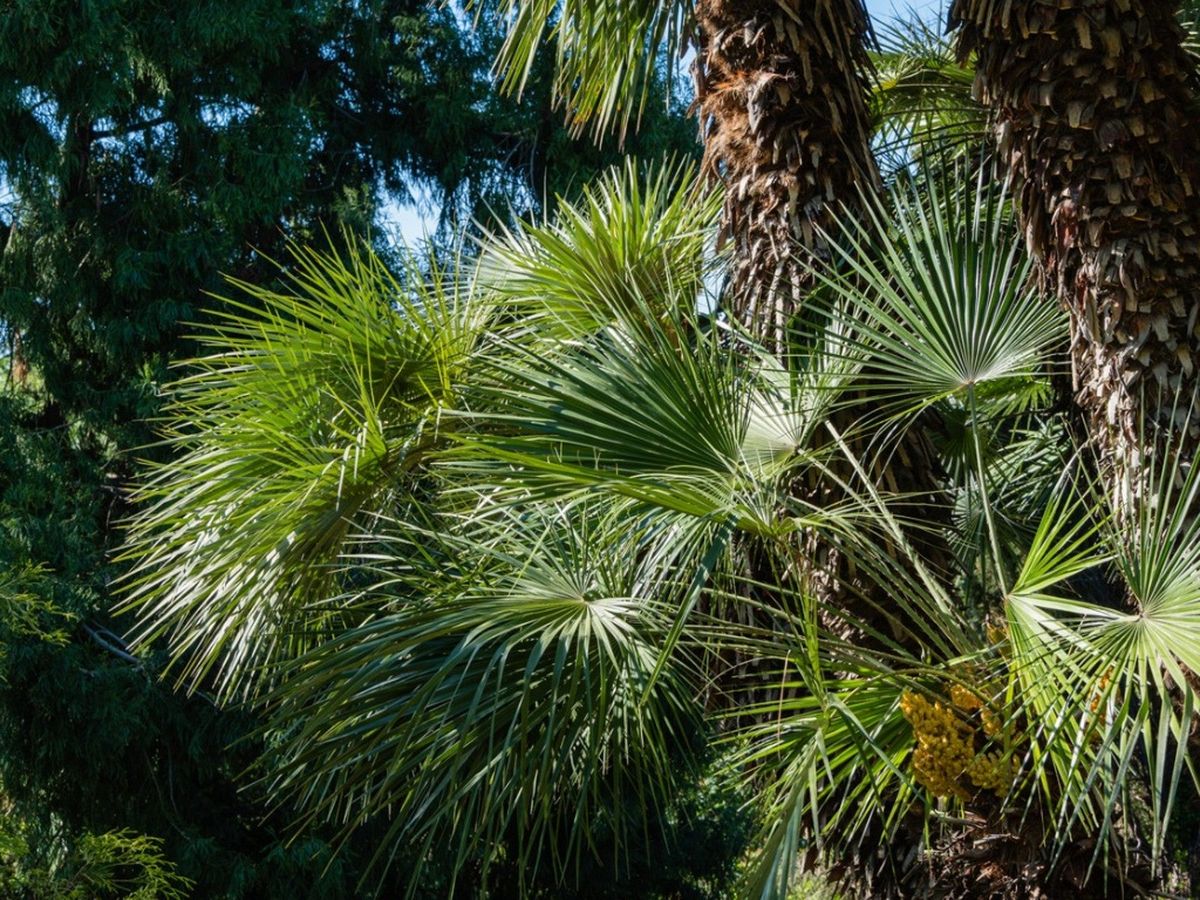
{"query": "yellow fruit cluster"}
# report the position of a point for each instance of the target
(945, 751)
(1101, 688)
(991, 722)
(991, 772)
(964, 698)
(968, 701)
(944, 745)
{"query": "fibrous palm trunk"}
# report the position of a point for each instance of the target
(783, 104)
(1095, 104)
(1095, 116)
(783, 99)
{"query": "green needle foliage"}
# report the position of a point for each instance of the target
(117, 864)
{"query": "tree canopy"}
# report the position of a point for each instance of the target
(147, 150)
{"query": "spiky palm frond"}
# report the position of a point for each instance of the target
(921, 96)
(607, 52)
(514, 695)
(315, 407)
(1107, 677)
(942, 290)
(638, 241)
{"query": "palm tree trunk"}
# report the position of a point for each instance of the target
(783, 105)
(1095, 116)
(783, 102)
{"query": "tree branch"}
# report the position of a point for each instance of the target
(115, 646)
(141, 126)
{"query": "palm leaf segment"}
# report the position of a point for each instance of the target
(607, 52)
(504, 695)
(318, 402)
(1107, 676)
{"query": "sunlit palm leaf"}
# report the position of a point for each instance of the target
(314, 407)
(922, 95)
(607, 52)
(1107, 679)
(941, 285)
(637, 242)
(516, 695)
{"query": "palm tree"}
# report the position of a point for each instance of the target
(782, 93)
(482, 543)
(781, 90)
(1095, 105)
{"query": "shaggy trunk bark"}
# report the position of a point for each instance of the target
(783, 102)
(783, 107)
(1094, 104)
(1095, 114)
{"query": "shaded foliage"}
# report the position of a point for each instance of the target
(144, 150)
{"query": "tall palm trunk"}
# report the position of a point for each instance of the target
(783, 100)
(783, 104)
(1095, 104)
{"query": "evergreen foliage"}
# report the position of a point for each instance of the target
(147, 148)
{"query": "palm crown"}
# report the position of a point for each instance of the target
(502, 546)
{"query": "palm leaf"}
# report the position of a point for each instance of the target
(506, 700)
(606, 52)
(317, 405)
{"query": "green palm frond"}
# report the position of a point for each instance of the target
(514, 698)
(636, 242)
(606, 52)
(317, 406)
(922, 98)
(1022, 468)
(667, 416)
(941, 290)
(941, 294)
(824, 744)
(839, 767)
(1106, 678)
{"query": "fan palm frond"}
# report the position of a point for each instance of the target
(921, 95)
(515, 695)
(941, 289)
(1107, 677)
(636, 242)
(607, 52)
(316, 406)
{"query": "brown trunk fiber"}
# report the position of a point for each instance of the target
(1095, 114)
(784, 110)
(783, 105)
